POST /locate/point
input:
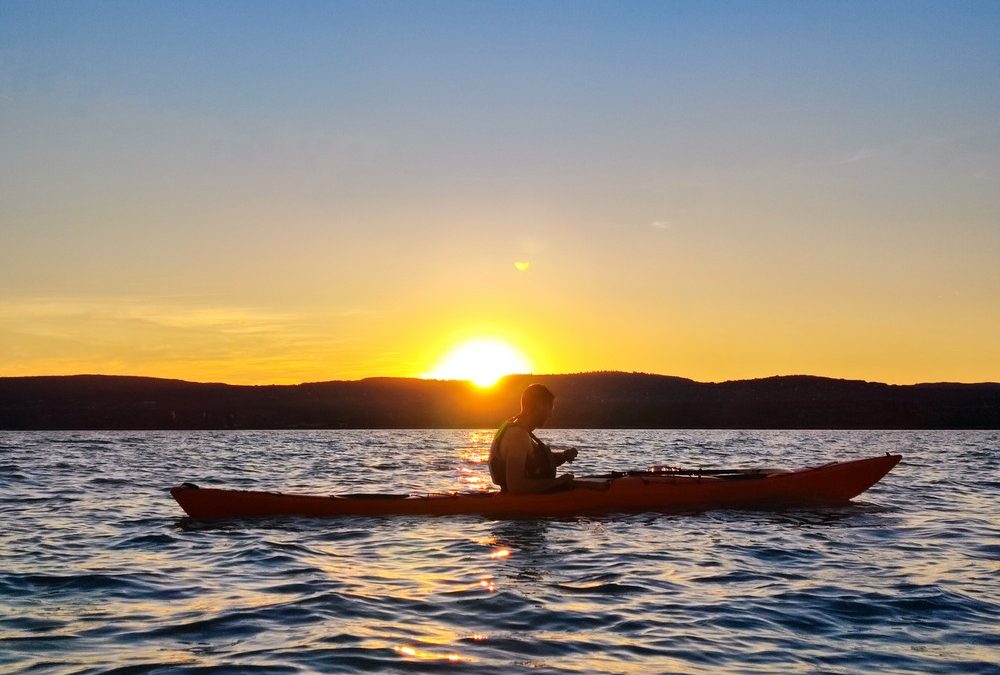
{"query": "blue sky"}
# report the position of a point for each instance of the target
(774, 172)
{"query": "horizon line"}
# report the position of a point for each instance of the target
(506, 377)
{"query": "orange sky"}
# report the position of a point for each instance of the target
(694, 190)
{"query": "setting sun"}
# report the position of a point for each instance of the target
(482, 361)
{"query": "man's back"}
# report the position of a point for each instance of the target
(519, 462)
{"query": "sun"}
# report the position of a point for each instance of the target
(482, 361)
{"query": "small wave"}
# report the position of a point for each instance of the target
(600, 589)
(111, 481)
(15, 584)
(79, 441)
(143, 542)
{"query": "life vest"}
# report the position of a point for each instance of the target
(539, 464)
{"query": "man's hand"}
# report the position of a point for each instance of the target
(570, 454)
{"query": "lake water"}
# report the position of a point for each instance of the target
(100, 572)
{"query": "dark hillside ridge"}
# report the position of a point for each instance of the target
(590, 400)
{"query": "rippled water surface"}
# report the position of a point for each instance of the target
(99, 570)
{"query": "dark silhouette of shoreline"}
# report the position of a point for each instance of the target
(589, 400)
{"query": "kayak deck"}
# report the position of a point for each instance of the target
(655, 490)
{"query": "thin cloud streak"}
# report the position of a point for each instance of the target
(134, 336)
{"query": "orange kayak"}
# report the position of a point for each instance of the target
(633, 491)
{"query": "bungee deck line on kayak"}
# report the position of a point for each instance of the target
(826, 485)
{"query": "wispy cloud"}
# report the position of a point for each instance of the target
(29, 311)
(860, 156)
(918, 144)
(155, 336)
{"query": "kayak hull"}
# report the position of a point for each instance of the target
(826, 485)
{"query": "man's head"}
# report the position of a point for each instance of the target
(536, 405)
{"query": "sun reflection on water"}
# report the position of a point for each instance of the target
(470, 461)
(413, 652)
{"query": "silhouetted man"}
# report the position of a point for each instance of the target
(519, 461)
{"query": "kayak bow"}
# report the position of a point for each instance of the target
(656, 490)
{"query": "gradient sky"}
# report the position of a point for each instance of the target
(275, 192)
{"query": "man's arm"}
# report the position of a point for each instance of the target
(517, 446)
(560, 457)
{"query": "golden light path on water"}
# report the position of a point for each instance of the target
(445, 646)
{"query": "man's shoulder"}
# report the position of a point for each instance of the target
(516, 434)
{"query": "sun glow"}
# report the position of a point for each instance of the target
(482, 361)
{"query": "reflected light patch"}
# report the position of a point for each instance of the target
(482, 361)
(407, 650)
(477, 484)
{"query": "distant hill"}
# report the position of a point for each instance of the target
(590, 400)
